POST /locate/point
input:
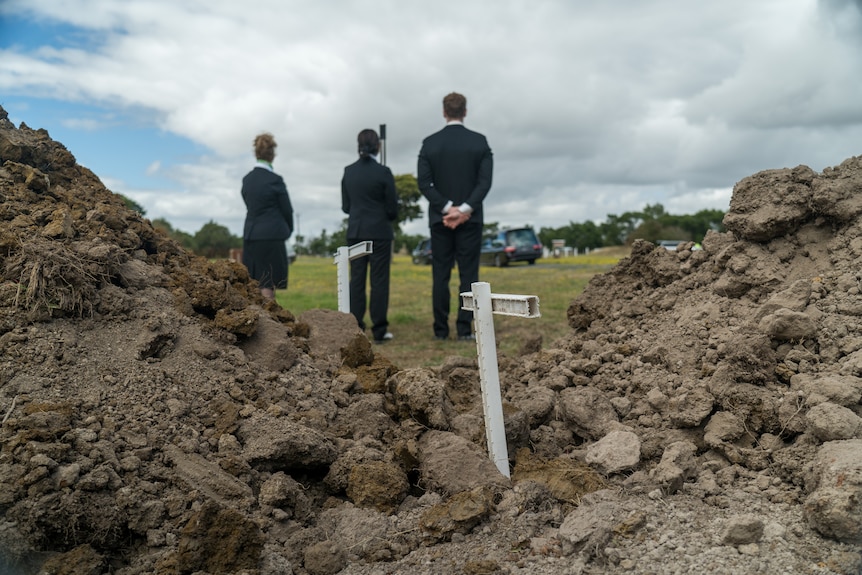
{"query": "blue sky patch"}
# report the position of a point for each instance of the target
(114, 143)
(26, 34)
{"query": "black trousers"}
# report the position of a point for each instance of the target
(463, 246)
(379, 261)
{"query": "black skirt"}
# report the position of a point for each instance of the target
(266, 261)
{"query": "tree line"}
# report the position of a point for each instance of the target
(212, 240)
(652, 223)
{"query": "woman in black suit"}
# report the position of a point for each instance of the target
(368, 197)
(268, 220)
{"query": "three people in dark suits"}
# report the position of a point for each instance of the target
(368, 197)
(455, 169)
(268, 220)
(454, 173)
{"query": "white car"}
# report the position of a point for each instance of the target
(669, 245)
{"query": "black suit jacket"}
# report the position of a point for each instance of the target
(269, 214)
(455, 164)
(368, 197)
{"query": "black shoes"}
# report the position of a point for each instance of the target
(468, 337)
(386, 337)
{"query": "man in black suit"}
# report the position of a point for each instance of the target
(368, 197)
(454, 174)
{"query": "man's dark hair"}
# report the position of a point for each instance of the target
(368, 143)
(455, 106)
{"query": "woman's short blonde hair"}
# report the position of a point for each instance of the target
(264, 147)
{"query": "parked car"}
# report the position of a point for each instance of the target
(512, 245)
(422, 253)
(669, 245)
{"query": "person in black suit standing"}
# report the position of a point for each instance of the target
(268, 220)
(454, 174)
(368, 197)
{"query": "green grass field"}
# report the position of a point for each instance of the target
(556, 281)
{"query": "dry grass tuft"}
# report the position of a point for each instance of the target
(60, 279)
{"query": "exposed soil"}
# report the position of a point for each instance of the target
(703, 416)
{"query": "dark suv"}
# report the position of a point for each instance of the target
(513, 245)
(422, 253)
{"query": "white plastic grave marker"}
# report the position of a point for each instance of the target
(484, 304)
(342, 260)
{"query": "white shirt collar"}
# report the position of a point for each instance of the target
(263, 164)
(458, 122)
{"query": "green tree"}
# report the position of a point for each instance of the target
(653, 212)
(337, 239)
(656, 224)
(164, 225)
(299, 244)
(408, 199)
(653, 231)
(490, 229)
(698, 224)
(327, 244)
(133, 205)
(319, 246)
(215, 241)
(617, 229)
(580, 236)
(184, 239)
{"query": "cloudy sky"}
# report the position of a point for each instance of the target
(591, 108)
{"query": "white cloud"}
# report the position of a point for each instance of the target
(591, 108)
(83, 124)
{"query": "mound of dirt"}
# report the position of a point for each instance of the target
(158, 417)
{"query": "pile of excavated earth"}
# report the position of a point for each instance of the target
(702, 416)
